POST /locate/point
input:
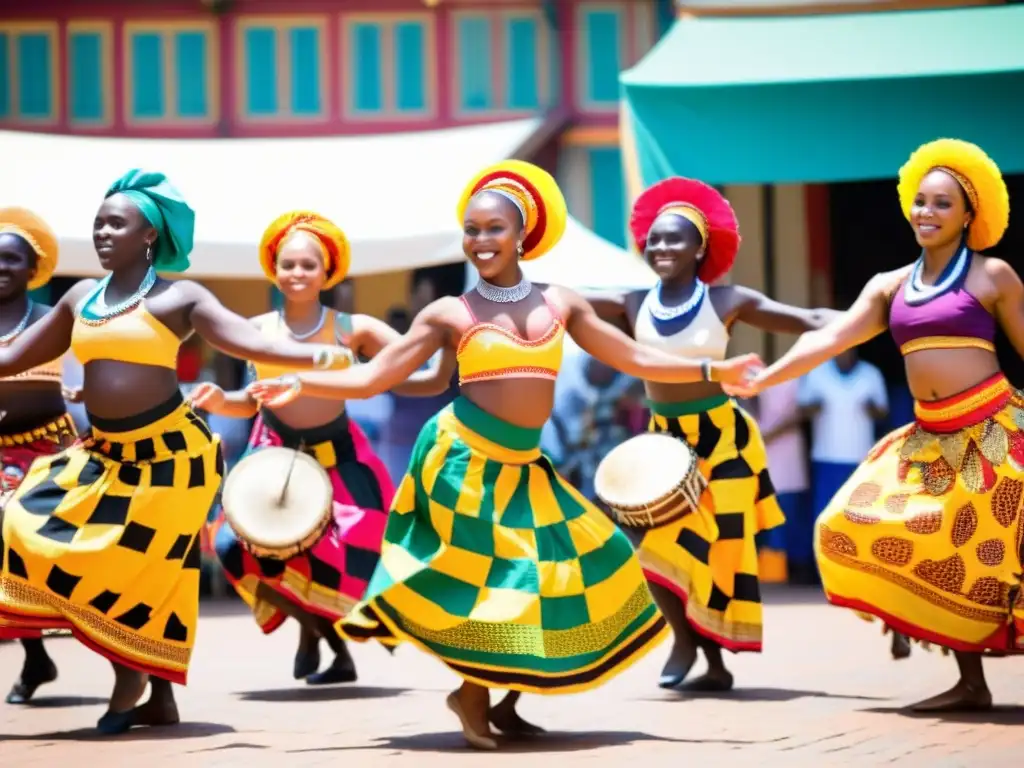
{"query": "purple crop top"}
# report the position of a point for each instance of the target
(953, 319)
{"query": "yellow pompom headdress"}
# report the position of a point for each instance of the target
(978, 176)
(40, 238)
(534, 192)
(334, 247)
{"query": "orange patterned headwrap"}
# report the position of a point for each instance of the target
(534, 192)
(40, 238)
(978, 176)
(334, 245)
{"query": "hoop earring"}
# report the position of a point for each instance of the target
(519, 248)
(149, 253)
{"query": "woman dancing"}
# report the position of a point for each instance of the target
(491, 561)
(927, 533)
(33, 415)
(703, 569)
(103, 538)
(304, 254)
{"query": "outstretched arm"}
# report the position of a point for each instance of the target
(757, 310)
(234, 335)
(370, 336)
(860, 323)
(395, 363)
(46, 339)
(1009, 309)
(614, 348)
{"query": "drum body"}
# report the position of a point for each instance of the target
(279, 502)
(650, 480)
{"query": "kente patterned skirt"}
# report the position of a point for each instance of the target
(329, 579)
(708, 558)
(17, 452)
(927, 533)
(498, 567)
(103, 539)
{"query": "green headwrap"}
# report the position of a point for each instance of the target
(164, 208)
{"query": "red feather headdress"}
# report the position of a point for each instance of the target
(702, 205)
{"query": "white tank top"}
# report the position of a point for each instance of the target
(705, 337)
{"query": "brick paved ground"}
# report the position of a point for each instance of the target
(825, 693)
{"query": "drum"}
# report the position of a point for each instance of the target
(278, 501)
(650, 480)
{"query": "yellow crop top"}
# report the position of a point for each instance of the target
(273, 326)
(134, 337)
(489, 351)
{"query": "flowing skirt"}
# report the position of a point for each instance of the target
(709, 558)
(495, 565)
(103, 539)
(17, 452)
(926, 535)
(329, 579)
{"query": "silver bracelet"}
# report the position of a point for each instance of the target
(705, 368)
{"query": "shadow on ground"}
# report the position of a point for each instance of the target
(320, 693)
(760, 694)
(999, 715)
(548, 743)
(58, 702)
(167, 733)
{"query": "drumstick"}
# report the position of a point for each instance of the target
(288, 476)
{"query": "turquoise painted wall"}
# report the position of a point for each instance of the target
(85, 76)
(190, 58)
(608, 194)
(602, 30)
(410, 58)
(476, 74)
(306, 55)
(260, 56)
(365, 72)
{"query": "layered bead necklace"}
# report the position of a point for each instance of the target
(12, 334)
(671, 320)
(916, 293)
(93, 309)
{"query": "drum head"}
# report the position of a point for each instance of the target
(253, 503)
(643, 470)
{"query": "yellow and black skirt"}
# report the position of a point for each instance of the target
(498, 567)
(928, 533)
(103, 539)
(709, 558)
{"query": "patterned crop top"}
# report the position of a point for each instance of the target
(133, 337)
(489, 351)
(336, 325)
(954, 319)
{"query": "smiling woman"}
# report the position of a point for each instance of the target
(492, 562)
(305, 254)
(33, 416)
(926, 535)
(103, 538)
(703, 568)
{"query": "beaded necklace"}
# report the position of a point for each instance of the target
(12, 334)
(93, 309)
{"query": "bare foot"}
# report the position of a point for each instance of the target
(962, 697)
(900, 646)
(505, 718)
(160, 709)
(466, 704)
(680, 662)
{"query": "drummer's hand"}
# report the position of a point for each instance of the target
(738, 374)
(207, 397)
(71, 395)
(274, 392)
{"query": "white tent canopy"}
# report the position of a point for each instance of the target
(585, 261)
(394, 194)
